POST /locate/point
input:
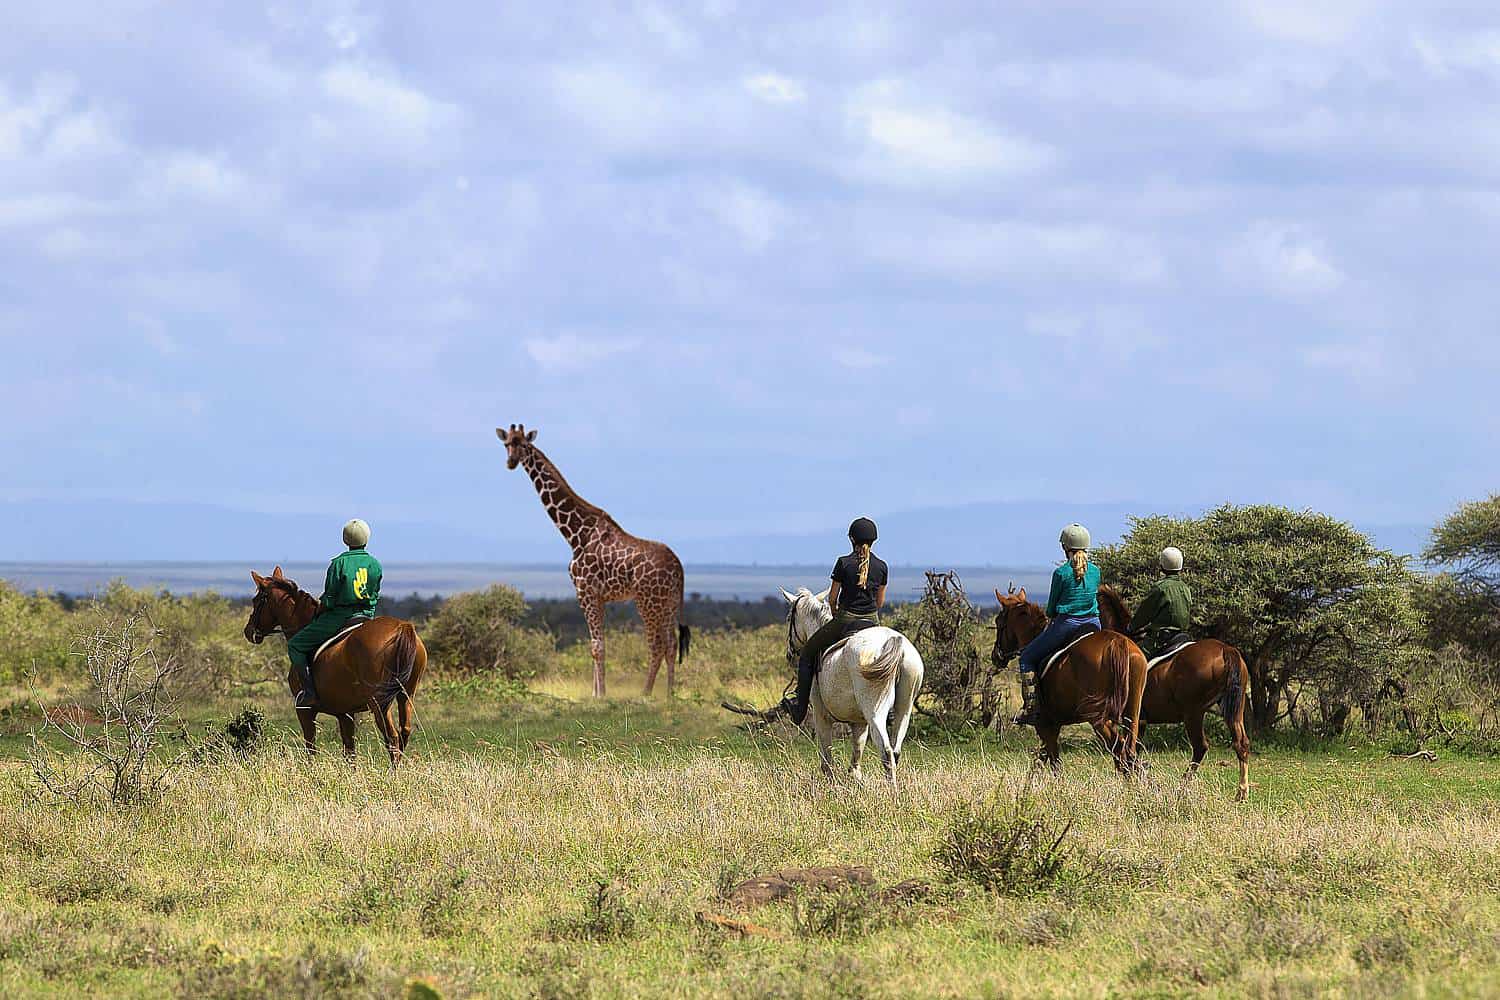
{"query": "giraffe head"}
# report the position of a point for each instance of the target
(517, 442)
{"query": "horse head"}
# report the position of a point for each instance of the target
(806, 612)
(1018, 622)
(517, 441)
(274, 608)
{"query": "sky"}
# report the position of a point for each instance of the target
(748, 269)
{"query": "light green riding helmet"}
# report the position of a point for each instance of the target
(1170, 559)
(1075, 536)
(356, 534)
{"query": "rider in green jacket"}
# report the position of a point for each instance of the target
(350, 590)
(1166, 612)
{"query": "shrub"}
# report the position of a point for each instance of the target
(117, 744)
(1007, 849)
(481, 631)
(36, 635)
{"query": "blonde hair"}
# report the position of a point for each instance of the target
(862, 549)
(1080, 560)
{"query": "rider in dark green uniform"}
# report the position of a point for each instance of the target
(1165, 614)
(350, 590)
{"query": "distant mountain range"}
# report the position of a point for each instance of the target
(982, 534)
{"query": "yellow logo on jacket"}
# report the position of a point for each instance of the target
(362, 583)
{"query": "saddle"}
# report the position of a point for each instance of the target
(349, 626)
(1179, 642)
(1084, 634)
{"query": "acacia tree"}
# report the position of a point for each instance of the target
(1308, 600)
(1464, 603)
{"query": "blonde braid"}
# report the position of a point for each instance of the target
(863, 551)
(1080, 560)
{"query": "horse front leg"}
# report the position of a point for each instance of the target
(1194, 726)
(823, 730)
(308, 720)
(1050, 752)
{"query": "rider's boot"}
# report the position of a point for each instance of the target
(307, 698)
(1029, 715)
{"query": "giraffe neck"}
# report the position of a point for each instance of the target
(574, 516)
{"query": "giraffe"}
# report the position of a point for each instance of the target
(609, 563)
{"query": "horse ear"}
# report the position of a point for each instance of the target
(276, 574)
(823, 597)
(998, 597)
(1022, 594)
(790, 598)
(260, 581)
(530, 437)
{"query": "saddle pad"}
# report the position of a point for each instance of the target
(1058, 655)
(337, 636)
(1169, 654)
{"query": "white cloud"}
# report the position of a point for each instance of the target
(911, 139)
(199, 176)
(775, 88)
(967, 250)
(1360, 361)
(1283, 258)
(751, 213)
(570, 351)
(859, 358)
(393, 106)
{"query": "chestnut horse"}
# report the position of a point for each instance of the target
(379, 664)
(1100, 679)
(1179, 689)
(1184, 686)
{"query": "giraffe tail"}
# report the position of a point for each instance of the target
(684, 642)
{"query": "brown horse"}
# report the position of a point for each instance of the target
(1180, 689)
(379, 664)
(1098, 680)
(1183, 687)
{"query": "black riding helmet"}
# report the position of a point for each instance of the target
(863, 532)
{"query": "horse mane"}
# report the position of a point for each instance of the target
(1114, 615)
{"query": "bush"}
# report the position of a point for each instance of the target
(1007, 849)
(37, 635)
(481, 631)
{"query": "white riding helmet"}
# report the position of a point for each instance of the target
(1170, 559)
(1075, 536)
(356, 534)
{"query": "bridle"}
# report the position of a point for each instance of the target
(1001, 637)
(793, 647)
(261, 597)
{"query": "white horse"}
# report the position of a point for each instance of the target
(860, 682)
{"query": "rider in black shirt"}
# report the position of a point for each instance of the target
(857, 594)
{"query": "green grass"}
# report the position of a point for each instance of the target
(541, 843)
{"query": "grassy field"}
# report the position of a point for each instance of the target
(539, 843)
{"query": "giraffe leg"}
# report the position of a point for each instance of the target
(651, 620)
(593, 613)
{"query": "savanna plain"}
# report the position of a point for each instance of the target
(539, 842)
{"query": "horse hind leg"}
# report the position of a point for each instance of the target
(387, 729)
(403, 709)
(857, 751)
(1194, 726)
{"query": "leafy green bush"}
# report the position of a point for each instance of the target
(37, 635)
(481, 631)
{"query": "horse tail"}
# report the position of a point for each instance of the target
(684, 642)
(1116, 663)
(401, 661)
(1125, 666)
(1232, 700)
(882, 669)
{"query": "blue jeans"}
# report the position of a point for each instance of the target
(1059, 632)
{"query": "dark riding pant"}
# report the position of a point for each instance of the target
(842, 626)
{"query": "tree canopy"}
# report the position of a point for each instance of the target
(1465, 601)
(1309, 600)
